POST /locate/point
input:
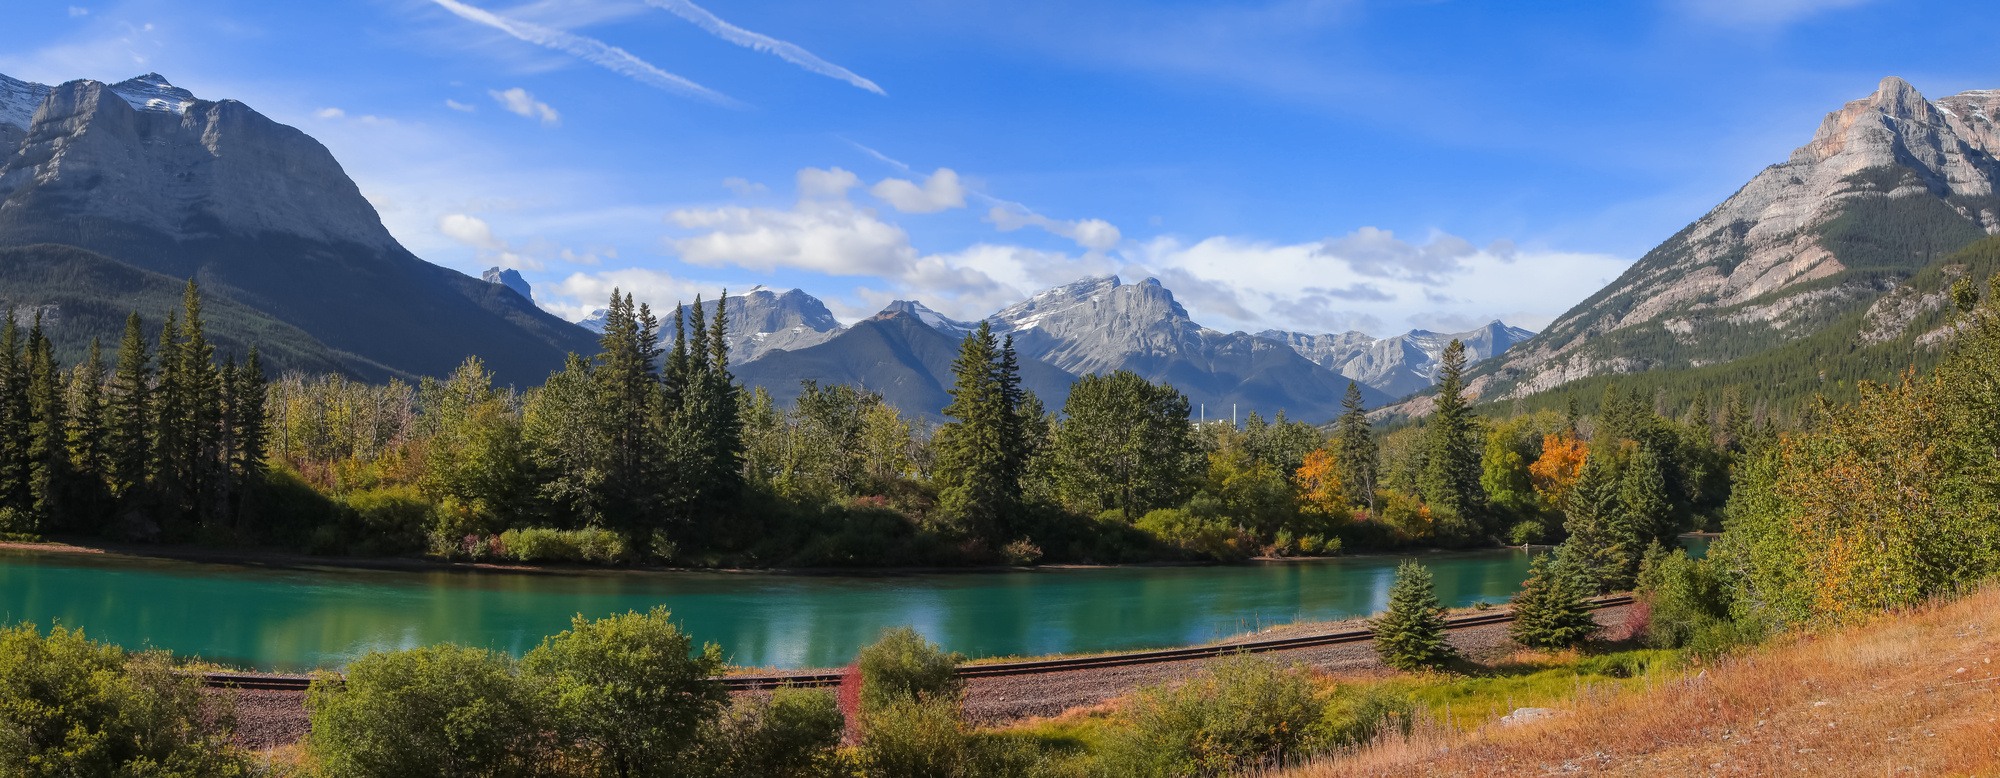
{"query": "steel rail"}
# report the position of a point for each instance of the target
(809, 680)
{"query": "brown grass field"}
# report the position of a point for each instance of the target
(1915, 693)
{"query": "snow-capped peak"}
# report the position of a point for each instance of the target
(18, 101)
(933, 319)
(152, 92)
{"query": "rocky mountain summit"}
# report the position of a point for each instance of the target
(146, 174)
(1402, 364)
(509, 278)
(1888, 185)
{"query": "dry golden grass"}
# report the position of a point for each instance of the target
(1911, 694)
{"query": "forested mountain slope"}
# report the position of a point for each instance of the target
(1888, 188)
(259, 213)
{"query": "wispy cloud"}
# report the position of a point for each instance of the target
(786, 51)
(1763, 13)
(523, 102)
(610, 57)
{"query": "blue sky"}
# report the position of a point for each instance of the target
(1316, 165)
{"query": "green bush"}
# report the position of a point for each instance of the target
(1215, 538)
(540, 545)
(928, 738)
(902, 665)
(73, 707)
(630, 690)
(1411, 634)
(1550, 612)
(791, 733)
(1241, 713)
(1526, 533)
(1688, 605)
(390, 520)
(1356, 719)
(439, 711)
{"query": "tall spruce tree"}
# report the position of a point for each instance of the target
(200, 453)
(17, 498)
(1450, 478)
(88, 446)
(48, 452)
(1410, 635)
(1550, 612)
(1600, 543)
(628, 383)
(169, 420)
(1356, 440)
(252, 431)
(974, 452)
(128, 415)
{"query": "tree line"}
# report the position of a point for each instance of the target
(165, 440)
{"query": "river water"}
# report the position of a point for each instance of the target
(303, 618)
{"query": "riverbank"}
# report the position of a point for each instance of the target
(271, 558)
(269, 719)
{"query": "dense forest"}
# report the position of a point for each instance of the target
(649, 452)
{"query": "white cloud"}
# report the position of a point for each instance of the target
(1093, 234)
(742, 37)
(329, 113)
(939, 192)
(1379, 253)
(1760, 13)
(75, 11)
(471, 231)
(610, 57)
(832, 183)
(521, 101)
(743, 187)
(458, 106)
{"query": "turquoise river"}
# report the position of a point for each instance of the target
(290, 618)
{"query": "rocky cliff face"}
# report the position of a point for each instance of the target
(1888, 184)
(1402, 364)
(951, 327)
(144, 172)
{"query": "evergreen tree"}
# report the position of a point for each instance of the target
(1411, 634)
(1570, 413)
(88, 447)
(201, 389)
(1015, 440)
(17, 499)
(1600, 543)
(1735, 432)
(1357, 449)
(1550, 612)
(628, 383)
(48, 454)
(1698, 416)
(1449, 481)
(975, 455)
(253, 431)
(169, 420)
(1646, 506)
(129, 413)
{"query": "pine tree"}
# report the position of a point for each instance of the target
(17, 498)
(1014, 438)
(1600, 543)
(973, 454)
(48, 454)
(253, 431)
(1411, 634)
(1450, 478)
(89, 453)
(1357, 448)
(128, 415)
(1550, 612)
(200, 452)
(169, 419)
(1735, 432)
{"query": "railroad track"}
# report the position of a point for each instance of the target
(753, 682)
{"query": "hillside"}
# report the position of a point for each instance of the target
(83, 295)
(147, 174)
(1889, 187)
(895, 354)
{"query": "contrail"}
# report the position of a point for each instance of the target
(612, 58)
(742, 37)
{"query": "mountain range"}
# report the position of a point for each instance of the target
(131, 183)
(113, 195)
(1827, 267)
